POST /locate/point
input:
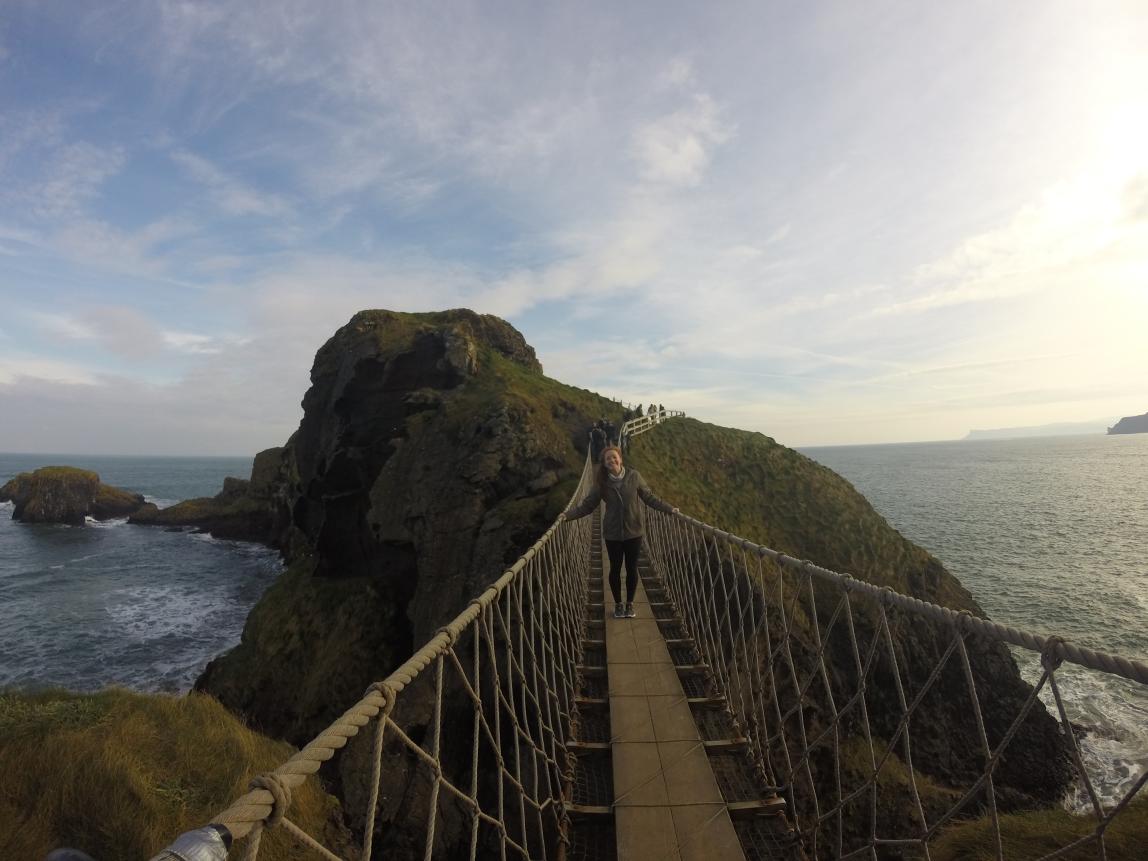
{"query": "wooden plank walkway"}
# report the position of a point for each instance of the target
(667, 805)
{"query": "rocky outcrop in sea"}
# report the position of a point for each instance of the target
(66, 494)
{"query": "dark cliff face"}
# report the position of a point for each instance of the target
(431, 454)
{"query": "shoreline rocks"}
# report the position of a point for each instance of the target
(254, 509)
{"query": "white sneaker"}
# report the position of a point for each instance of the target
(619, 610)
(630, 614)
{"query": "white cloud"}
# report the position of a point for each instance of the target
(43, 174)
(190, 342)
(61, 325)
(232, 195)
(14, 369)
(676, 148)
(98, 245)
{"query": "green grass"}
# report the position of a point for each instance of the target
(119, 774)
(1038, 833)
(749, 485)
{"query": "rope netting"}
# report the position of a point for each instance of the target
(883, 720)
(491, 767)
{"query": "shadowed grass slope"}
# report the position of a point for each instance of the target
(1039, 833)
(747, 484)
(119, 774)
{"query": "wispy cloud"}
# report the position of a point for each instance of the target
(232, 195)
(676, 148)
(45, 175)
(17, 368)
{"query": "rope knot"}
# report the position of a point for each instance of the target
(964, 620)
(1052, 655)
(389, 694)
(280, 792)
(848, 582)
(448, 633)
(886, 596)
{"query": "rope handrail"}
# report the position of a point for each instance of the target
(1091, 659)
(826, 739)
(246, 815)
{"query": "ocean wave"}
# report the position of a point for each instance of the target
(105, 524)
(145, 613)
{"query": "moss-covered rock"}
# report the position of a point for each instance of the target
(431, 454)
(66, 494)
(255, 509)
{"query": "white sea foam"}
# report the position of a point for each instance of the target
(105, 524)
(150, 612)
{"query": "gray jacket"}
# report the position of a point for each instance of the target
(624, 517)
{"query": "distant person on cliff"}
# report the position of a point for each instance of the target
(623, 524)
(611, 433)
(597, 441)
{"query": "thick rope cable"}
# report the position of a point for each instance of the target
(1113, 664)
(258, 805)
(698, 560)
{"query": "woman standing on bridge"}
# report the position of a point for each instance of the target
(624, 522)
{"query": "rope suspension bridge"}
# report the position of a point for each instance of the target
(716, 724)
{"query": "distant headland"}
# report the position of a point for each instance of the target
(1057, 429)
(1131, 424)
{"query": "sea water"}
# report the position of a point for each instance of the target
(1050, 535)
(112, 603)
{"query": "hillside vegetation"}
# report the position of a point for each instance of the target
(748, 484)
(119, 774)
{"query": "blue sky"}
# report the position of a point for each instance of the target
(833, 223)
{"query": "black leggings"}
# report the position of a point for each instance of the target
(616, 550)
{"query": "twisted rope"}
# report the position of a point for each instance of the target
(719, 580)
(535, 607)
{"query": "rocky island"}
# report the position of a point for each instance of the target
(65, 494)
(1131, 424)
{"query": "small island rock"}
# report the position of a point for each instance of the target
(65, 494)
